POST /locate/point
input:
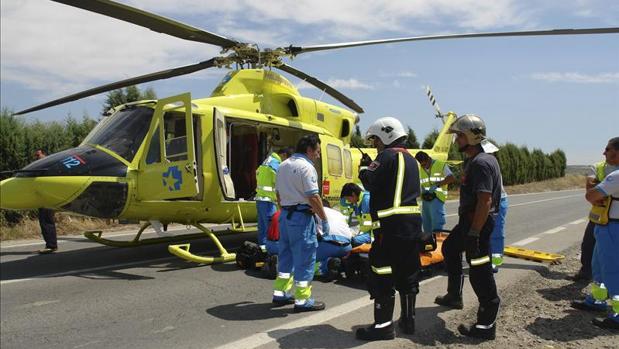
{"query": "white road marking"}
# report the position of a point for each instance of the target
(38, 304)
(87, 270)
(525, 241)
(86, 344)
(553, 231)
(531, 202)
(543, 200)
(529, 194)
(273, 334)
(578, 221)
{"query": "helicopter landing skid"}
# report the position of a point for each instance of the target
(182, 250)
(96, 236)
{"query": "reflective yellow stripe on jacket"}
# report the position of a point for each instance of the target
(397, 199)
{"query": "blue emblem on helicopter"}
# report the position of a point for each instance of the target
(173, 178)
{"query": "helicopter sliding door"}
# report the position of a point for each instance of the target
(336, 167)
(167, 169)
(221, 137)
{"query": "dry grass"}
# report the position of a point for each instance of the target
(65, 225)
(571, 181)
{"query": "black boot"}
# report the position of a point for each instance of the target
(382, 329)
(453, 298)
(407, 319)
(449, 300)
(476, 332)
(485, 328)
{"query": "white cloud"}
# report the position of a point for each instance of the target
(602, 78)
(349, 84)
(351, 17)
(304, 85)
(402, 74)
(59, 49)
(343, 84)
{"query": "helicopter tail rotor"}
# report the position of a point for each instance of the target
(434, 102)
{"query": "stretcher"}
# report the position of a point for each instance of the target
(356, 264)
(532, 255)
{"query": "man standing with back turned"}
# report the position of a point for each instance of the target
(266, 200)
(299, 198)
(480, 194)
(393, 181)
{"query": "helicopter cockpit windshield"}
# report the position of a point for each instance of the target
(123, 132)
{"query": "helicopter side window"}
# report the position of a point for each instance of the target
(334, 160)
(154, 150)
(175, 137)
(347, 163)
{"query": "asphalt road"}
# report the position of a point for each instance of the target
(91, 296)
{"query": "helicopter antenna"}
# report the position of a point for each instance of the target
(258, 50)
(434, 103)
(322, 94)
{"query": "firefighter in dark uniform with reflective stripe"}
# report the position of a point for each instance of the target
(480, 195)
(393, 181)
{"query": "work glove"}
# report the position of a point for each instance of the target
(428, 242)
(473, 254)
(366, 160)
(433, 188)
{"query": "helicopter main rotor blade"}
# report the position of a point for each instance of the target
(164, 74)
(151, 21)
(295, 50)
(322, 86)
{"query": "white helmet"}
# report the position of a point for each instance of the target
(387, 129)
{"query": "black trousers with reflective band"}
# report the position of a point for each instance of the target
(586, 248)
(48, 227)
(481, 276)
(402, 255)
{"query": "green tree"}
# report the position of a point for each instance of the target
(128, 94)
(411, 139)
(11, 141)
(428, 142)
(356, 139)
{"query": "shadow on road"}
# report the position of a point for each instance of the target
(248, 311)
(319, 336)
(105, 259)
(576, 324)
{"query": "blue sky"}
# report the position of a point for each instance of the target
(545, 92)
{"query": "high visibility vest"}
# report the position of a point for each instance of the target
(397, 208)
(600, 168)
(435, 175)
(599, 214)
(265, 178)
(364, 218)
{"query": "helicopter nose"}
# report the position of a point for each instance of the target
(19, 193)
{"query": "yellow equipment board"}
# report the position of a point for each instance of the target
(532, 255)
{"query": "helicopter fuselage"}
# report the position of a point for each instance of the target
(191, 161)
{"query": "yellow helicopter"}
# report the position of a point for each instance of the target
(193, 161)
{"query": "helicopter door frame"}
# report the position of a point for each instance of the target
(220, 136)
(172, 172)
